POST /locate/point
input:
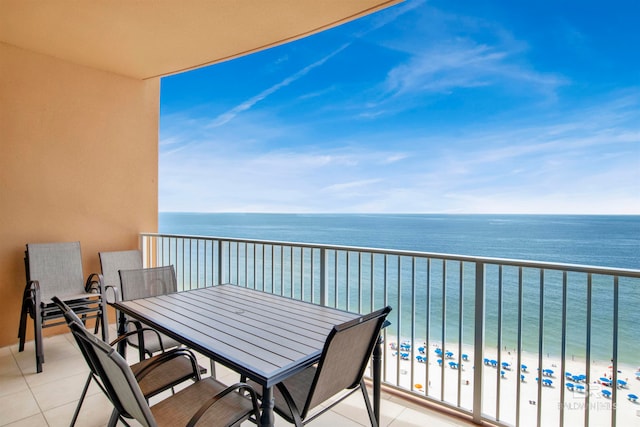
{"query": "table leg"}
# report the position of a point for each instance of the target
(122, 345)
(377, 378)
(267, 418)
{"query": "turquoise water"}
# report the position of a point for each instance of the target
(609, 241)
(606, 241)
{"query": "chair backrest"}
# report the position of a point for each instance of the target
(57, 267)
(116, 376)
(345, 357)
(113, 261)
(147, 282)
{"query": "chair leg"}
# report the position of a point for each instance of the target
(367, 402)
(104, 321)
(22, 330)
(113, 419)
(37, 327)
(82, 396)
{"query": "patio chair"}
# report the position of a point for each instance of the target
(344, 360)
(154, 375)
(206, 402)
(141, 283)
(111, 262)
(56, 269)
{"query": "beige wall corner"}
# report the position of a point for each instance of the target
(78, 161)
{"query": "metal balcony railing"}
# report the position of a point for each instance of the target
(511, 342)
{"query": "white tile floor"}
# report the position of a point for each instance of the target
(28, 399)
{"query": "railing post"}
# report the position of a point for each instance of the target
(324, 292)
(219, 244)
(478, 342)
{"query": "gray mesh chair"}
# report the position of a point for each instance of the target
(206, 402)
(142, 283)
(112, 262)
(341, 368)
(56, 269)
(154, 375)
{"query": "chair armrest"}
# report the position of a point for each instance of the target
(138, 331)
(162, 358)
(31, 296)
(31, 289)
(95, 283)
(112, 290)
(209, 403)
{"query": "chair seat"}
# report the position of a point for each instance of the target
(298, 386)
(178, 409)
(173, 372)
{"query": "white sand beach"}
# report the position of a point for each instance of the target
(534, 398)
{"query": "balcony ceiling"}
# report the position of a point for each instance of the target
(145, 38)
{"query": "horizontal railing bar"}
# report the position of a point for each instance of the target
(578, 268)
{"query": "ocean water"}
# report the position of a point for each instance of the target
(605, 241)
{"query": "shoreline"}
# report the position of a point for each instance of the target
(455, 386)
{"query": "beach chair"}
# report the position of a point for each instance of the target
(206, 401)
(141, 283)
(344, 359)
(154, 375)
(56, 269)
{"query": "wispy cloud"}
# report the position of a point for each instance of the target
(229, 115)
(464, 64)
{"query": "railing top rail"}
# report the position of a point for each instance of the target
(441, 256)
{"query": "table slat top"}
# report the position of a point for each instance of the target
(264, 336)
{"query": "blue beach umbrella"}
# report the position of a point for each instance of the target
(506, 365)
(605, 381)
(580, 387)
(568, 374)
(465, 357)
(569, 386)
(632, 397)
(547, 372)
(522, 378)
(606, 393)
(438, 351)
(523, 368)
(622, 383)
(421, 350)
(449, 354)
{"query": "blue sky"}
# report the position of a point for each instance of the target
(425, 107)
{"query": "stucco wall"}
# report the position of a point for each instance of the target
(78, 161)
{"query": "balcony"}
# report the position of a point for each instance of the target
(451, 315)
